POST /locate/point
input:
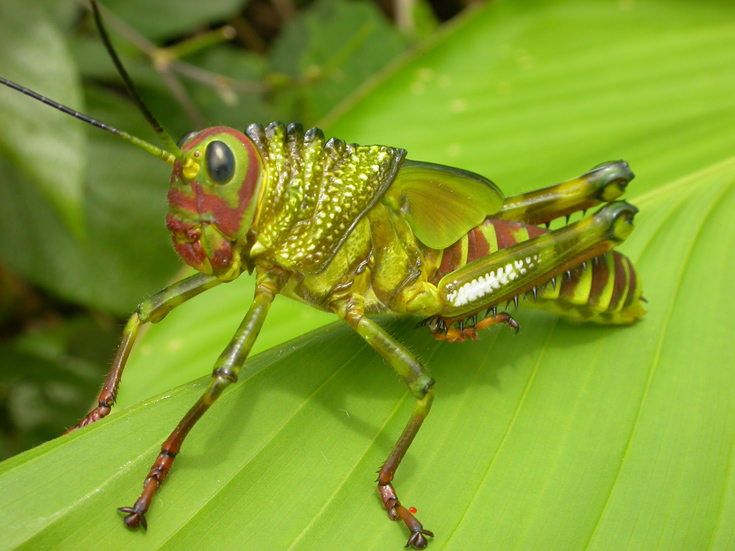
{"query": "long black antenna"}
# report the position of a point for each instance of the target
(150, 148)
(162, 134)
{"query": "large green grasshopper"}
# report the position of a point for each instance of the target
(361, 229)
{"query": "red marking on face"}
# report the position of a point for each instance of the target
(195, 205)
(220, 250)
(201, 246)
(225, 217)
(186, 239)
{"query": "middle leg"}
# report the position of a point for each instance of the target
(420, 384)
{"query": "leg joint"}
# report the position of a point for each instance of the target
(421, 387)
(348, 308)
(225, 373)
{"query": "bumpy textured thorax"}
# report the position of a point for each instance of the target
(314, 193)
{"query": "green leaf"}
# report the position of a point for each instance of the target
(166, 18)
(49, 150)
(43, 162)
(330, 51)
(565, 437)
(127, 248)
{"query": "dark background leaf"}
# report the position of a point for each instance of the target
(169, 18)
(41, 60)
(83, 223)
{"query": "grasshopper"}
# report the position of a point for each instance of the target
(356, 230)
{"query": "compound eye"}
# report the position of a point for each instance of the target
(185, 138)
(220, 162)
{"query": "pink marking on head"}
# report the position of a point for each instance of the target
(204, 222)
(186, 240)
(223, 215)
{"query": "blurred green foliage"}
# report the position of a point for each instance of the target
(82, 216)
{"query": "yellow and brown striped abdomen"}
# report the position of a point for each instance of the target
(605, 290)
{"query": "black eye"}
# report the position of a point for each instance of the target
(220, 162)
(185, 138)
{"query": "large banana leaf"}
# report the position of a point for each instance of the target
(565, 437)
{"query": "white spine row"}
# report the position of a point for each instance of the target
(490, 283)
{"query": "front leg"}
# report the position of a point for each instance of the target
(152, 310)
(225, 372)
(421, 386)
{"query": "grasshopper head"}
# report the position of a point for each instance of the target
(212, 199)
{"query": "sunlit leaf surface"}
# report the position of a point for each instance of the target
(566, 437)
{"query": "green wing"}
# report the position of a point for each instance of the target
(442, 203)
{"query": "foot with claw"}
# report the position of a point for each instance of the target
(418, 539)
(92, 417)
(134, 517)
(396, 511)
(136, 514)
